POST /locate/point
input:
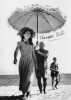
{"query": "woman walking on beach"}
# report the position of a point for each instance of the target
(27, 61)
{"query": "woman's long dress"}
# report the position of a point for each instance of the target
(26, 65)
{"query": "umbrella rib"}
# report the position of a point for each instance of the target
(56, 18)
(19, 17)
(28, 19)
(47, 21)
(51, 15)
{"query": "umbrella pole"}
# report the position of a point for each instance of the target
(37, 26)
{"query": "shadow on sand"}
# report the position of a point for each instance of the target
(19, 97)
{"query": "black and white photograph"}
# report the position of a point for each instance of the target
(35, 50)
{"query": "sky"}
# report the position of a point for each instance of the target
(8, 36)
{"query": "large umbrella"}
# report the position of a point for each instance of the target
(41, 20)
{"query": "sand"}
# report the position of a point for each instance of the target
(62, 93)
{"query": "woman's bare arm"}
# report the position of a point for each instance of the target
(16, 53)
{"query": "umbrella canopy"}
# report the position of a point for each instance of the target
(39, 19)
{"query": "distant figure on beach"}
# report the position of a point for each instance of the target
(27, 61)
(54, 73)
(41, 55)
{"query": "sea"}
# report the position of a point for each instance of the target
(8, 80)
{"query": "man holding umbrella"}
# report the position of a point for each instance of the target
(41, 55)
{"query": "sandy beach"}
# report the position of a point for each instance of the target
(62, 93)
(9, 89)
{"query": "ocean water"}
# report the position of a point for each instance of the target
(8, 80)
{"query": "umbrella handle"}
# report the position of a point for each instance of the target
(37, 26)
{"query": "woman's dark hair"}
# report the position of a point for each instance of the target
(23, 31)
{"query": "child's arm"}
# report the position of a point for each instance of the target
(16, 52)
